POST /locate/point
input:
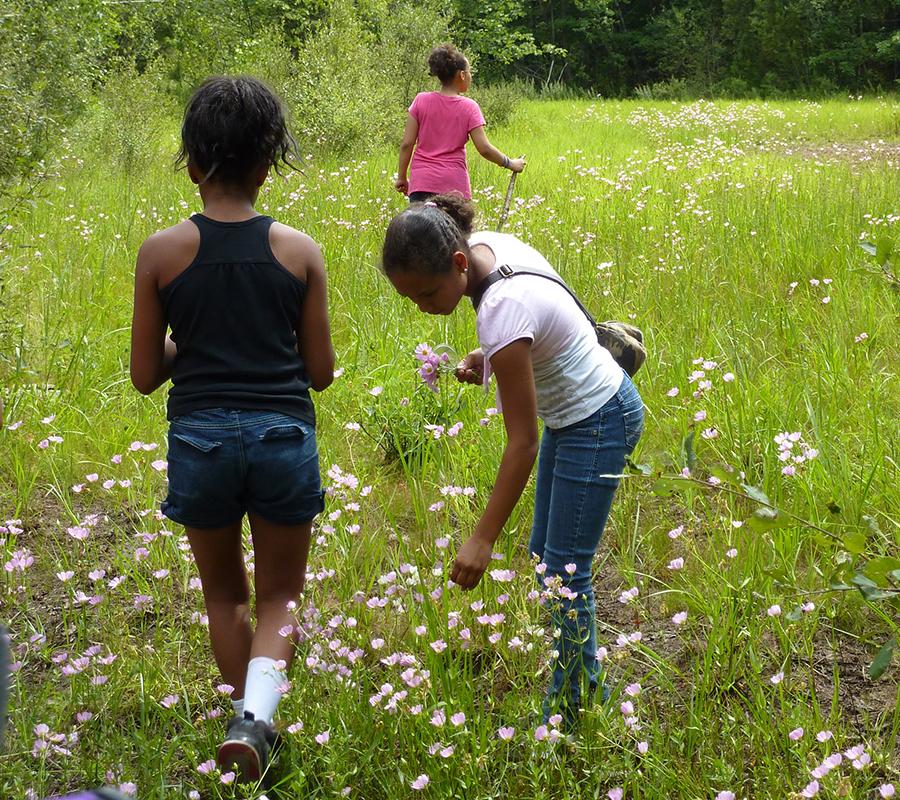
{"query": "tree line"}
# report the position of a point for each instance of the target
(701, 47)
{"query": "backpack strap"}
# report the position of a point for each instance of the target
(503, 271)
(506, 271)
(623, 341)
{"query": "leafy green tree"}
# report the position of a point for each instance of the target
(498, 34)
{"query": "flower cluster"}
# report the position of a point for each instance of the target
(432, 364)
(12, 528)
(857, 756)
(48, 743)
(19, 562)
(786, 443)
(551, 731)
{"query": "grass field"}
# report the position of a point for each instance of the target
(738, 641)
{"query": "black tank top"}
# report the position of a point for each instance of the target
(234, 313)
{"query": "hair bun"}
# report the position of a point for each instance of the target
(460, 210)
(445, 61)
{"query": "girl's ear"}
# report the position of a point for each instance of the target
(262, 174)
(194, 173)
(460, 261)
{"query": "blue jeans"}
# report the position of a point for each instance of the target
(572, 499)
(420, 197)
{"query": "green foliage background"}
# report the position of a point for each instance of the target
(749, 202)
(721, 229)
(350, 67)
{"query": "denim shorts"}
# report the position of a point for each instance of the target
(225, 462)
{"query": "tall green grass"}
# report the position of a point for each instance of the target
(712, 226)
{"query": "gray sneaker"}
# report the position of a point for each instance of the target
(247, 747)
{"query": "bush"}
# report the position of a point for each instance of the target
(558, 90)
(350, 83)
(24, 132)
(344, 100)
(733, 88)
(672, 89)
(500, 101)
(127, 118)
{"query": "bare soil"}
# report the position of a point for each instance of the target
(838, 666)
(859, 154)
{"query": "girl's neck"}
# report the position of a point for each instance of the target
(456, 87)
(481, 263)
(228, 203)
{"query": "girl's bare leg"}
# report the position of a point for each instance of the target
(281, 553)
(226, 590)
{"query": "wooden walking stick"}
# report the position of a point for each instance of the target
(509, 193)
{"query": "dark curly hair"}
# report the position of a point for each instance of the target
(444, 62)
(234, 125)
(424, 237)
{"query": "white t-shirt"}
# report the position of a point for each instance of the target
(573, 375)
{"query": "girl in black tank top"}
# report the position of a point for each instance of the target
(245, 299)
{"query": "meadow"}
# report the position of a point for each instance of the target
(747, 582)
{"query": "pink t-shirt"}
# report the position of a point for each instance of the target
(439, 161)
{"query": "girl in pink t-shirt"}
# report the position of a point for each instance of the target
(437, 128)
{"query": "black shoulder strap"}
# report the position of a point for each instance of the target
(233, 243)
(506, 271)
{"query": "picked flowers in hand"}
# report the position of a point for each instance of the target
(441, 358)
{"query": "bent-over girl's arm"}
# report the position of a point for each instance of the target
(491, 153)
(410, 133)
(515, 383)
(314, 331)
(152, 351)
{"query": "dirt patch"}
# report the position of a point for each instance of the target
(615, 617)
(837, 668)
(878, 153)
(844, 661)
(44, 535)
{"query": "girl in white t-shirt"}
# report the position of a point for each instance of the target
(548, 365)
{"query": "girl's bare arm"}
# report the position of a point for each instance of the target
(515, 382)
(491, 153)
(299, 254)
(314, 333)
(410, 133)
(152, 351)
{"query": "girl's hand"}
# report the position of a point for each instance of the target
(471, 368)
(517, 164)
(402, 186)
(471, 562)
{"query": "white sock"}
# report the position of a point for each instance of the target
(238, 707)
(261, 695)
